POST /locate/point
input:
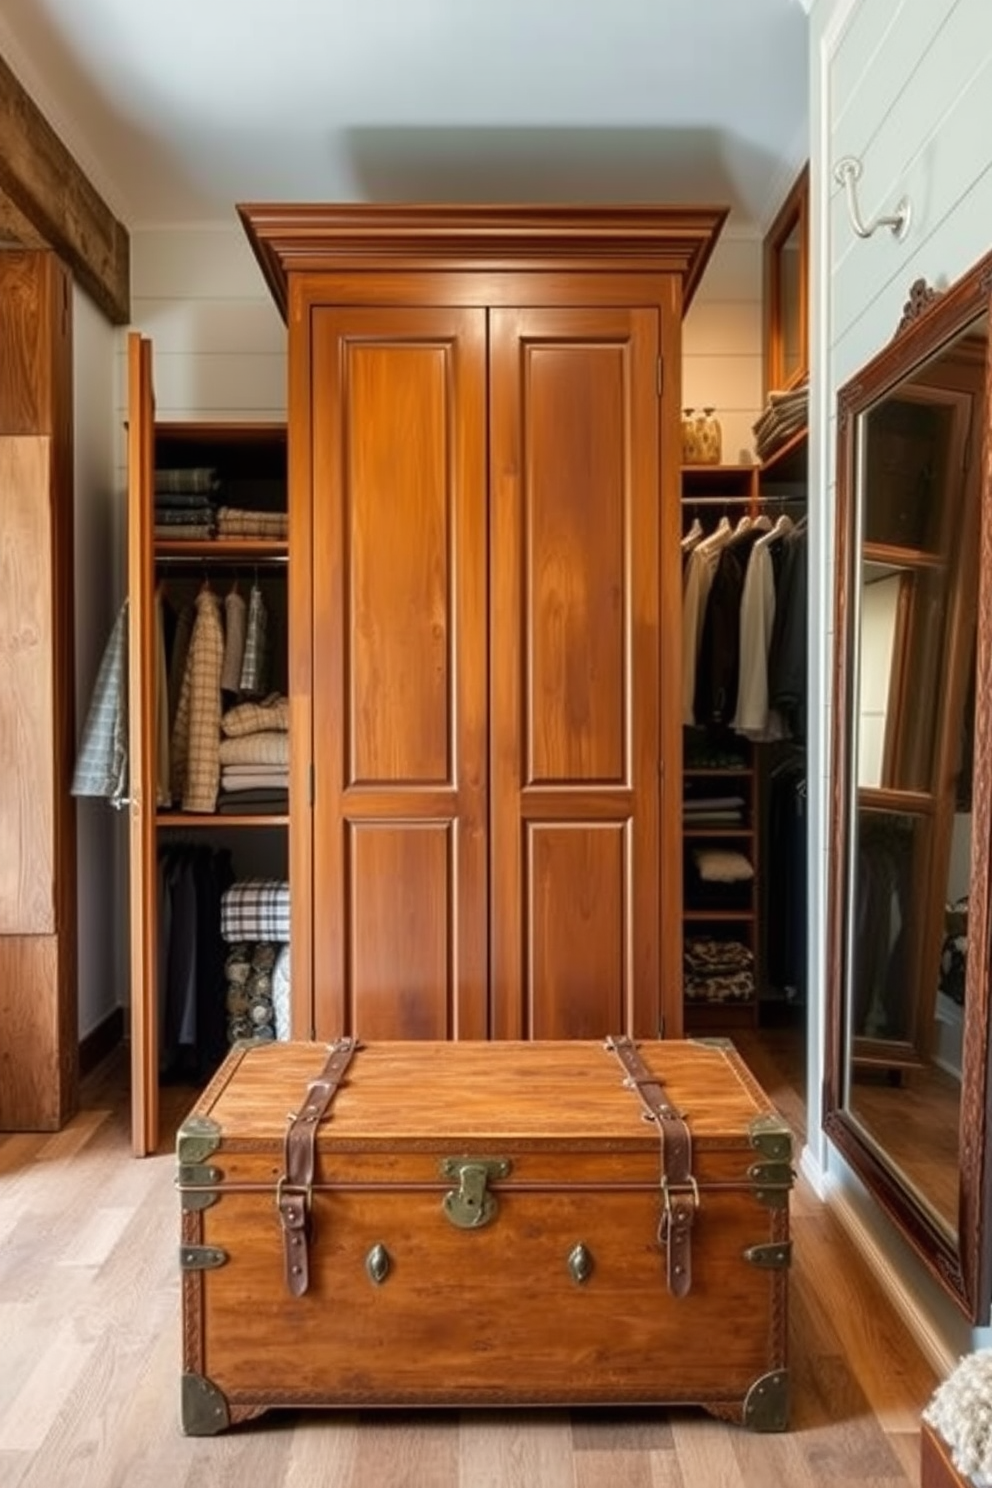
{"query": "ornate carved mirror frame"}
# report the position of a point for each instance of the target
(958, 1254)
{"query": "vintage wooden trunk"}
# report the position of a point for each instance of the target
(481, 1224)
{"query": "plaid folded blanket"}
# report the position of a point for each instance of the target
(255, 909)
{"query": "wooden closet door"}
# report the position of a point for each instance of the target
(143, 907)
(398, 405)
(575, 742)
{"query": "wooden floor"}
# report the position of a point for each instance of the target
(89, 1334)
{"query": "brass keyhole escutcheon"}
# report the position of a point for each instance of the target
(377, 1264)
(580, 1263)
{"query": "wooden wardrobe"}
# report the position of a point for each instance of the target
(484, 615)
(484, 452)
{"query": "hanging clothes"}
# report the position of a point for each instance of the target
(753, 716)
(718, 665)
(787, 650)
(196, 732)
(163, 769)
(696, 584)
(101, 762)
(253, 681)
(235, 621)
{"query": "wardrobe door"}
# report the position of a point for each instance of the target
(399, 673)
(575, 728)
(141, 754)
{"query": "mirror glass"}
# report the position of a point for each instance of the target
(912, 541)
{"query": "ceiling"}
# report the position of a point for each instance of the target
(179, 110)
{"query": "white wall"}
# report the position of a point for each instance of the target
(219, 344)
(99, 590)
(905, 86)
(721, 343)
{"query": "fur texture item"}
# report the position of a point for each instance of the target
(960, 1411)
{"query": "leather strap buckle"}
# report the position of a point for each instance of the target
(294, 1190)
(679, 1189)
(679, 1204)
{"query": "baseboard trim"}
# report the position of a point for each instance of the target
(101, 1041)
(941, 1358)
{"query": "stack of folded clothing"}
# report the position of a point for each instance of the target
(234, 521)
(717, 970)
(254, 756)
(254, 920)
(785, 414)
(250, 1008)
(717, 878)
(186, 503)
(709, 810)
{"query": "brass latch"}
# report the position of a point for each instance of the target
(772, 1182)
(471, 1205)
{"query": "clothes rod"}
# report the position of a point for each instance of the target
(229, 560)
(768, 497)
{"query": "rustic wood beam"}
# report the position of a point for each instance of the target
(44, 193)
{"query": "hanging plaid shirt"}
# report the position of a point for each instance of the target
(255, 662)
(196, 731)
(101, 764)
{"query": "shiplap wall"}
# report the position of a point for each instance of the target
(906, 86)
(721, 343)
(219, 343)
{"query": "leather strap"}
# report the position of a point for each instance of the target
(294, 1190)
(679, 1188)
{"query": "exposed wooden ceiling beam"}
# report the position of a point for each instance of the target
(44, 192)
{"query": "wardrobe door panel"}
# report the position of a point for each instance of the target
(399, 708)
(143, 910)
(575, 724)
(399, 947)
(577, 889)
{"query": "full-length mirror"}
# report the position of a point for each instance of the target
(908, 1055)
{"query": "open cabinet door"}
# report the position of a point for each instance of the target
(141, 674)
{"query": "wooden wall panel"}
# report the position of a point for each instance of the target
(38, 1014)
(27, 839)
(38, 1062)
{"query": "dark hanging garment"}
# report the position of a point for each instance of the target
(718, 665)
(785, 860)
(787, 663)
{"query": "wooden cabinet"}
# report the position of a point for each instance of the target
(38, 1007)
(484, 440)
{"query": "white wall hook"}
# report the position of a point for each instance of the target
(846, 172)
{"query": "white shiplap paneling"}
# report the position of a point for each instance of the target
(219, 344)
(721, 343)
(195, 264)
